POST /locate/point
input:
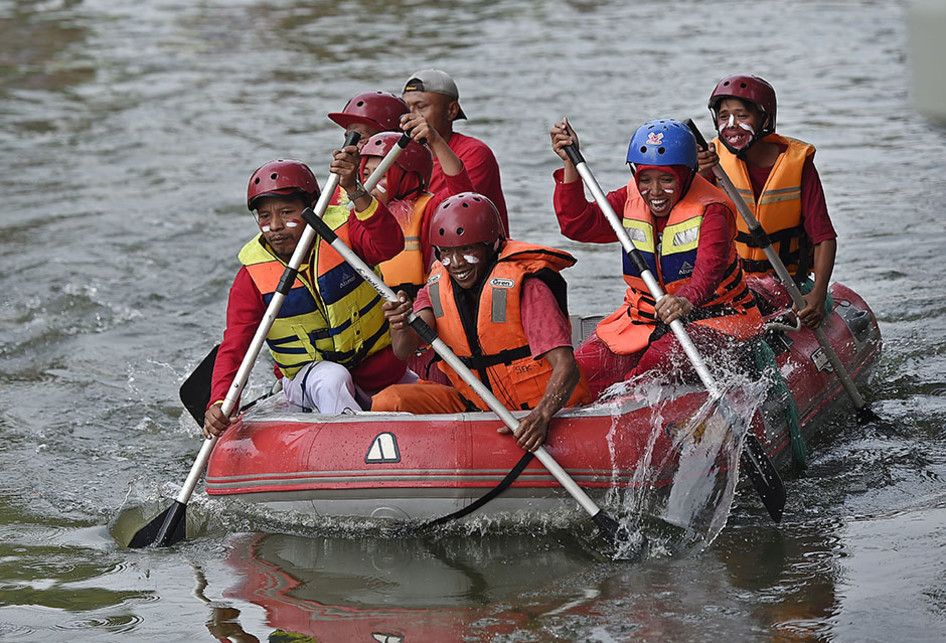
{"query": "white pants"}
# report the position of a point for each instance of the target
(327, 388)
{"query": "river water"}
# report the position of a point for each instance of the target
(129, 130)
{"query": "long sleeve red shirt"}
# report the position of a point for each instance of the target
(375, 239)
(582, 220)
(450, 185)
(481, 167)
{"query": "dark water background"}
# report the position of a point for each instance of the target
(128, 133)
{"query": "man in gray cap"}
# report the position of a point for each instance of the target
(433, 94)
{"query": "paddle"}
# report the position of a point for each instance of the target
(761, 471)
(762, 240)
(606, 524)
(169, 526)
(195, 391)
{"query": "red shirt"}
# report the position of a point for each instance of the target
(543, 322)
(814, 209)
(375, 239)
(582, 220)
(481, 167)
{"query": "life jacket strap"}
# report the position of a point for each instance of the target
(506, 357)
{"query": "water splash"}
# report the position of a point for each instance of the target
(683, 485)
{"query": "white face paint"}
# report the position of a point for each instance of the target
(470, 259)
(380, 188)
(669, 190)
(732, 123)
(264, 228)
(292, 224)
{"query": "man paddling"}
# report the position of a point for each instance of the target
(776, 177)
(330, 340)
(500, 305)
(433, 94)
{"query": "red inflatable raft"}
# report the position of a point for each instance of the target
(405, 466)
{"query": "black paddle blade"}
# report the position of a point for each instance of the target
(195, 391)
(867, 416)
(610, 528)
(167, 528)
(764, 477)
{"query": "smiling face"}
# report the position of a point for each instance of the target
(660, 190)
(737, 121)
(280, 221)
(466, 264)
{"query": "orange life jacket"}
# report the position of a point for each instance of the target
(407, 271)
(778, 208)
(490, 339)
(731, 309)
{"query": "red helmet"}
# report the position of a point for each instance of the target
(381, 110)
(464, 219)
(749, 88)
(414, 160)
(282, 177)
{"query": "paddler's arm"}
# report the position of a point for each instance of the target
(822, 235)
(421, 131)
(404, 340)
(245, 309)
(562, 136)
(375, 234)
(534, 428)
(813, 312)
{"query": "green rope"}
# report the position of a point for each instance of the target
(765, 364)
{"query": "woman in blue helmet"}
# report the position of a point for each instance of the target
(685, 228)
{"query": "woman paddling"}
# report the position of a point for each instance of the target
(685, 227)
(776, 177)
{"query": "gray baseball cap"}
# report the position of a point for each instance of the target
(436, 81)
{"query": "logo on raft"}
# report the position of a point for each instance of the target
(383, 449)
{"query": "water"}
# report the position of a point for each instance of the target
(129, 132)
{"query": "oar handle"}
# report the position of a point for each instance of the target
(428, 335)
(648, 277)
(762, 240)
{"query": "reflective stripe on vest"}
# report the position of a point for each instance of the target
(338, 318)
(407, 271)
(731, 309)
(499, 353)
(778, 208)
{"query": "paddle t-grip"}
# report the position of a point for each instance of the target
(697, 134)
(351, 138)
(573, 154)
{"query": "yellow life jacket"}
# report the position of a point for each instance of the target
(731, 309)
(490, 339)
(335, 317)
(778, 208)
(407, 271)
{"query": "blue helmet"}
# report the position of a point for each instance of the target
(663, 142)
